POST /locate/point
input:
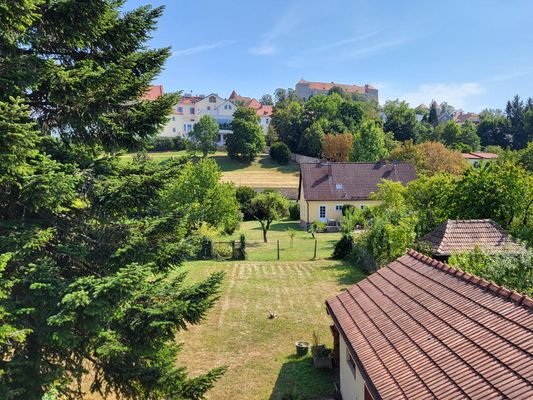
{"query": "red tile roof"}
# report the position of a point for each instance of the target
(328, 85)
(264, 111)
(153, 92)
(420, 329)
(349, 181)
(461, 235)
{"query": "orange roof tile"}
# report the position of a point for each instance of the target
(420, 329)
(153, 92)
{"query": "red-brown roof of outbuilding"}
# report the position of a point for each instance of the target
(420, 329)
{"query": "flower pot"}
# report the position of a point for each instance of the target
(302, 348)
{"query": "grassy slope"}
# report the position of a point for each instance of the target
(261, 173)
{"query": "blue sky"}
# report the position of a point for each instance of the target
(472, 54)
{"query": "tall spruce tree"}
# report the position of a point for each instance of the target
(87, 292)
(515, 114)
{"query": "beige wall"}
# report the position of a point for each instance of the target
(352, 384)
(312, 207)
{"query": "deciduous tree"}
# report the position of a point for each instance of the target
(247, 139)
(268, 207)
(204, 135)
(369, 143)
(337, 147)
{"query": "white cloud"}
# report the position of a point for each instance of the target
(344, 42)
(286, 23)
(456, 94)
(202, 47)
(264, 49)
(376, 47)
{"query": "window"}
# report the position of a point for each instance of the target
(322, 212)
(208, 108)
(338, 207)
(189, 127)
(338, 186)
(191, 110)
(362, 206)
(180, 109)
(351, 363)
(229, 107)
(174, 130)
(173, 118)
(212, 99)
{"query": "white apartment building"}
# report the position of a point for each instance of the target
(191, 108)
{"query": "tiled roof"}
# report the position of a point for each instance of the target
(461, 235)
(349, 181)
(153, 92)
(328, 86)
(190, 99)
(420, 329)
(479, 155)
(264, 111)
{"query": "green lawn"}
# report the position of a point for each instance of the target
(261, 173)
(302, 247)
(260, 352)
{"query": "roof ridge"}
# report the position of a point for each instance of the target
(500, 291)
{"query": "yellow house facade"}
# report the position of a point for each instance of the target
(326, 187)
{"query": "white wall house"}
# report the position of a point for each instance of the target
(190, 109)
(221, 110)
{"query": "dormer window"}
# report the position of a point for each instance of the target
(338, 186)
(212, 99)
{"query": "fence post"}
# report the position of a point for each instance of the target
(233, 255)
(314, 256)
(278, 249)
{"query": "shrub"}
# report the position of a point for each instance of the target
(245, 195)
(280, 152)
(168, 144)
(343, 247)
(294, 211)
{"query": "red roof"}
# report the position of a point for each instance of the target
(420, 329)
(153, 92)
(350, 181)
(466, 234)
(264, 111)
(327, 86)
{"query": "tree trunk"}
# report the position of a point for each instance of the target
(265, 234)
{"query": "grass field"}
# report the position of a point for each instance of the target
(259, 351)
(302, 247)
(261, 173)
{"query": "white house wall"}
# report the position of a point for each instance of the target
(352, 385)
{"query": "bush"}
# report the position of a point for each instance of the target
(168, 144)
(294, 211)
(245, 195)
(343, 247)
(280, 152)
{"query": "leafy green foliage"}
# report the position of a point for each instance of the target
(400, 120)
(204, 135)
(245, 195)
(513, 271)
(88, 257)
(199, 194)
(280, 152)
(369, 144)
(268, 207)
(294, 211)
(247, 139)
